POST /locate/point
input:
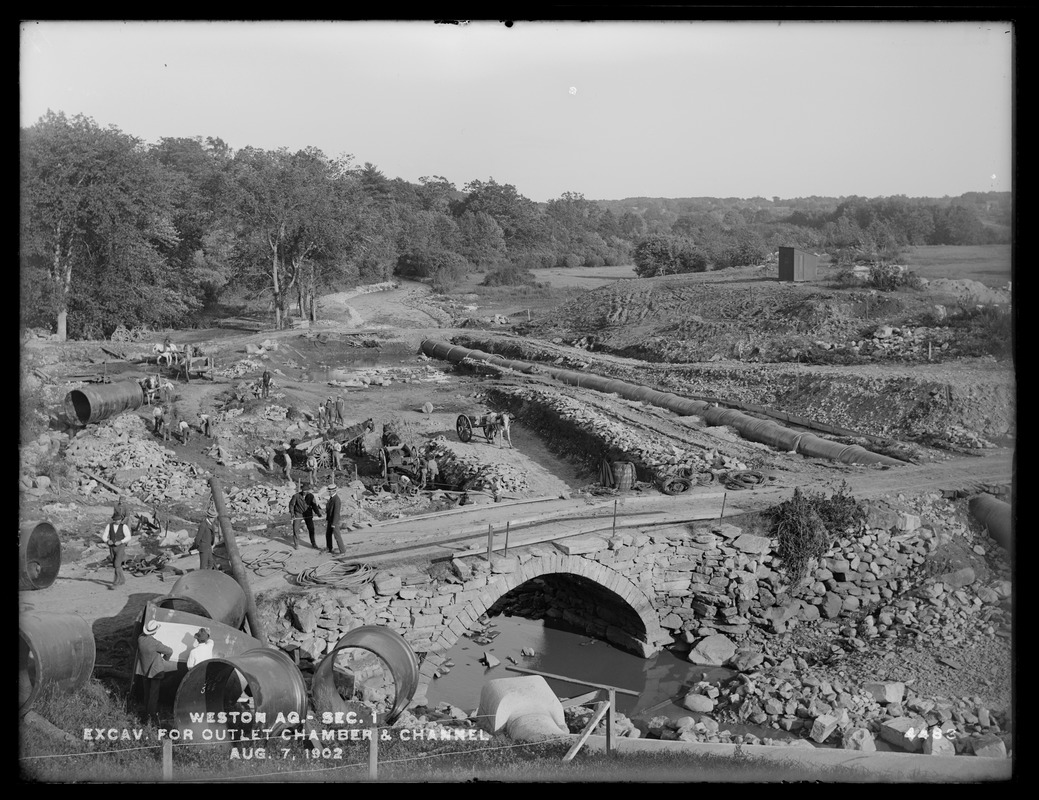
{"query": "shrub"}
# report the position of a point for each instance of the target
(807, 524)
(889, 277)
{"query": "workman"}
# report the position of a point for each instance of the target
(167, 423)
(321, 419)
(329, 410)
(403, 485)
(153, 657)
(116, 535)
(340, 410)
(303, 508)
(205, 539)
(265, 384)
(158, 417)
(206, 421)
(150, 385)
(333, 519)
(312, 467)
(335, 453)
(167, 392)
(202, 649)
(496, 488)
(286, 461)
(185, 431)
(432, 472)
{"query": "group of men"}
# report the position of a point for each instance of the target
(153, 657)
(164, 423)
(303, 508)
(331, 412)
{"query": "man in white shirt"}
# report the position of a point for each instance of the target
(203, 648)
(116, 535)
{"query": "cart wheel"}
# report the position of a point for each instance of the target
(464, 426)
(673, 485)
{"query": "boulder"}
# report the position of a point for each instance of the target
(959, 578)
(989, 746)
(712, 650)
(886, 691)
(903, 733)
(698, 702)
(938, 745)
(822, 727)
(858, 739)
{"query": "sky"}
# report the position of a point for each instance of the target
(606, 109)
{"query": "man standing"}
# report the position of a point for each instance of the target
(302, 509)
(340, 410)
(206, 422)
(312, 467)
(286, 461)
(265, 384)
(333, 519)
(329, 410)
(205, 538)
(157, 418)
(117, 536)
(185, 431)
(167, 423)
(202, 649)
(153, 656)
(335, 452)
(432, 472)
(321, 421)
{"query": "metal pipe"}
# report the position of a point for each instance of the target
(749, 427)
(395, 652)
(208, 593)
(95, 403)
(39, 555)
(237, 568)
(268, 676)
(54, 650)
(996, 516)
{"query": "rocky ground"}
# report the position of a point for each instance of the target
(946, 642)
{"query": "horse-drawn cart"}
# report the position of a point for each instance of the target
(490, 424)
(192, 365)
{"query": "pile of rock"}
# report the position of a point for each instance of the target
(650, 452)
(259, 501)
(117, 451)
(461, 465)
(239, 368)
(44, 448)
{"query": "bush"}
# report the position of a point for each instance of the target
(889, 277)
(807, 524)
(510, 275)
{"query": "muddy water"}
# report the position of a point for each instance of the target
(660, 682)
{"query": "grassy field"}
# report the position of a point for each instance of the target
(987, 264)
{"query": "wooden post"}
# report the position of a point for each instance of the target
(237, 568)
(506, 553)
(928, 350)
(373, 755)
(167, 760)
(724, 495)
(490, 541)
(614, 531)
(611, 699)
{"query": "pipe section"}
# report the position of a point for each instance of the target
(95, 403)
(53, 650)
(996, 516)
(39, 555)
(395, 652)
(208, 593)
(271, 680)
(751, 428)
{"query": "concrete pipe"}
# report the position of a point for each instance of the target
(95, 403)
(54, 650)
(39, 555)
(270, 679)
(807, 444)
(524, 707)
(996, 516)
(208, 593)
(394, 651)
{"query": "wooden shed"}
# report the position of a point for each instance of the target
(797, 265)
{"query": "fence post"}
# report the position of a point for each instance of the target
(724, 495)
(611, 698)
(506, 553)
(490, 541)
(373, 755)
(614, 532)
(167, 760)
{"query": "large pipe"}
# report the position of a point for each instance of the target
(95, 403)
(208, 593)
(389, 646)
(751, 428)
(53, 650)
(39, 555)
(268, 676)
(237, 568)
(996, 516)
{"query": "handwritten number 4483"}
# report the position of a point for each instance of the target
(935, 733)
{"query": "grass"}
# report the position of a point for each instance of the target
(988, 264)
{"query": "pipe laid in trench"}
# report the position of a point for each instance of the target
(751, 428)
(95, 403)
(996, 516)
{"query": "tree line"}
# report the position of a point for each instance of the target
(117, 231)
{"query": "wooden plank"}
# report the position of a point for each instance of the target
(572, 680)
(581, 699)
(600, 711)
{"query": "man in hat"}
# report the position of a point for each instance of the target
(333, 519)
(329, 410)
(117, 536)
(312, 467)
(205, 538)
(286, 460)
(302, 508)
(340, 410)
(153, 657)
(265, 384)
(321, 420)
(185, 431)
(335, 453)
(202, 649)
(158, 417)
(206, 421)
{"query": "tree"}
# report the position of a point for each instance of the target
(92, 203)
(482, 239)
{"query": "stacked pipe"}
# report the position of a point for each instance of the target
(752, 428)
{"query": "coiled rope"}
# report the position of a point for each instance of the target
(340, 574)
(744, 479)
(266, 562)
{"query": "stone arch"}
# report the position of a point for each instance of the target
(500, 585)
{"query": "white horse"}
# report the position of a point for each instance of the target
(165, 354)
